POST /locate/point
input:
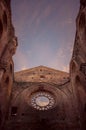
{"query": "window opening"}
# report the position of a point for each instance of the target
(14, 111)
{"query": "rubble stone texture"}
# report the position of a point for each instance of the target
(22, 93)
(8, 43)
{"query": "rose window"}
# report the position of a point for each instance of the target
(42, 100)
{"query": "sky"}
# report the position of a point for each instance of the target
(46, 32)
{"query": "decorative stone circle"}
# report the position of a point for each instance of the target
(42, 100)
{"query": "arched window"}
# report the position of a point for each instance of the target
(14, 111)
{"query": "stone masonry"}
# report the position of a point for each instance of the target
(42, 98)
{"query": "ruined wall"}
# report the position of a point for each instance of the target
(78, 63)
(8, 44)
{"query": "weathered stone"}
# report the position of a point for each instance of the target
(83, 68)
(8, 44)
(64, 94)
(83, 2)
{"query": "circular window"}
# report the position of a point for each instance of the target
(42, 100)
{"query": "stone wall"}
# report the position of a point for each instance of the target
(8, 44)
(78, 63)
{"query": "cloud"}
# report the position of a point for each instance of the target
(45, 55)
(67, 22)
(20, 61)
(62, 57)
(47, 11)
(40, 27)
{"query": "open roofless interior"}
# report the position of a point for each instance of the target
(42, 98)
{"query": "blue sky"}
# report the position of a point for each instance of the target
(45, 31)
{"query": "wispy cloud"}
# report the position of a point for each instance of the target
(20, 61)
(45, 32)
(67, 22)
(61, 58)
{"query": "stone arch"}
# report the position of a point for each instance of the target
(73, 66)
